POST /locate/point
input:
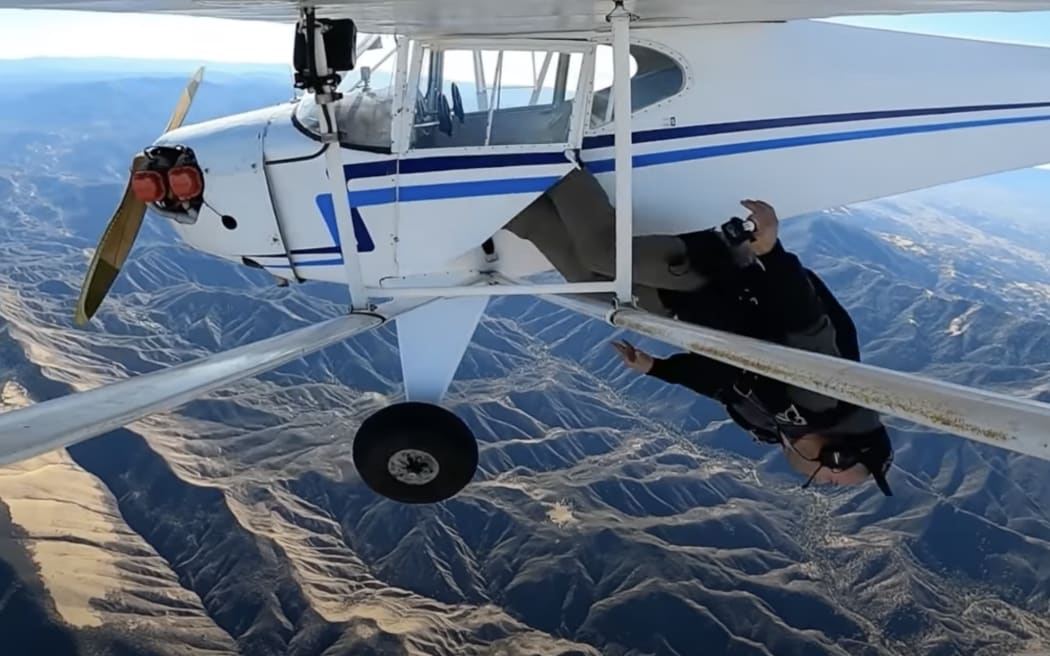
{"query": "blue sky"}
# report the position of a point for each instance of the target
(36, 33)
(1032, 28)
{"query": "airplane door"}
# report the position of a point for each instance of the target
(487, 128)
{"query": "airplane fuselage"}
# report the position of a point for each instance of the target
(806, 115)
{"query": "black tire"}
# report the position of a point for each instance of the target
(415, 453)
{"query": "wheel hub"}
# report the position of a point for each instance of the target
(413, 467)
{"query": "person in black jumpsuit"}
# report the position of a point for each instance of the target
(757, 289)
(772, 297)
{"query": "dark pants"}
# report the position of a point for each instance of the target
(574, 226)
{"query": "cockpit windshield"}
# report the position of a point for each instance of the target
(364, 118)
(486, 96)
(365, 112)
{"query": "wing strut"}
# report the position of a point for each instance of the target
(324, 83)
(1020, 425)
(621, 21)
(66, 420)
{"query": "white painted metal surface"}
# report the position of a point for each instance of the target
(819, 115)
(524, 289)
(479, 82)
(230, 150)
(299, 189)
(64, 421)
(433, 231)
(621, 21)
(1019, 425)
(496, 84)
(399, 137)
(427, 17)
(431, 341)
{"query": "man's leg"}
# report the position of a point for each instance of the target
(658, 261)
(540, 224)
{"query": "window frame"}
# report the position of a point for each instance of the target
(583, 91)
(312, 129)
(608, 127)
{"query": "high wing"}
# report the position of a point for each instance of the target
(66, 420)
(441, 17)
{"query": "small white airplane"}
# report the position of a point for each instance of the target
(399, 184)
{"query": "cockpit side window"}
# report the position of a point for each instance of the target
(654, 77)
(470, 97)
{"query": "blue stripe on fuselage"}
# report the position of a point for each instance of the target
(449, 163)
(503, 160)
(719, 150)
(361, 234)
(707, 129)
(409, 193)
(337, 261)
(447, 190)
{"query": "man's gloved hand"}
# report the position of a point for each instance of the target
(634, 358)
(766, 226)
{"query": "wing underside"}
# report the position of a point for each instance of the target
(435, 17)
(66, 420)
(1016, 424)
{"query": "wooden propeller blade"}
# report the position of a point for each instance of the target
(110, 255)
(115, 246)
(185, 100)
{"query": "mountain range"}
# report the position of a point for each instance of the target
(611, 514)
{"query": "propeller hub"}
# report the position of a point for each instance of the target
(169, 178)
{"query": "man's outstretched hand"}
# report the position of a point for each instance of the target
(640, 361)
(766, 225)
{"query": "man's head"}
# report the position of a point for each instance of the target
(842, 459)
